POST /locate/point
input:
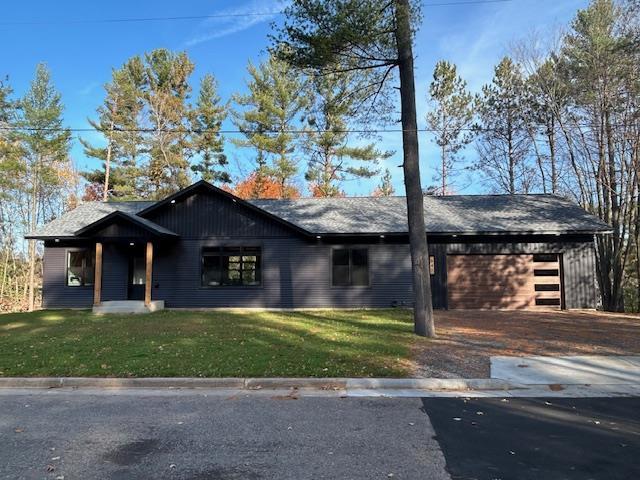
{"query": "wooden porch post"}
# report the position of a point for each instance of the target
(97, 281)
(148, 280)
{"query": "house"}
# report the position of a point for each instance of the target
(203, 247)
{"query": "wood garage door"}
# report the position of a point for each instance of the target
(503, 281)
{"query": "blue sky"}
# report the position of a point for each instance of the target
(81, 56)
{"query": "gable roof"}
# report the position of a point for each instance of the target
(204, 186)
(84, 215)
(134, 219)
(455, 215)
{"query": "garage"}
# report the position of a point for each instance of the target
(509, 282)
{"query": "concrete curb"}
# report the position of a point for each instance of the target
(433, 384)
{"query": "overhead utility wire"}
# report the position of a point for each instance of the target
(79, 21)
(245, 132)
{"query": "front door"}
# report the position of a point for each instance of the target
(137, 277)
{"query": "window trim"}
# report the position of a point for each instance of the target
(67, 253)
(350, 247)
(219, 248)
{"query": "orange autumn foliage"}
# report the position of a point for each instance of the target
(248, 188)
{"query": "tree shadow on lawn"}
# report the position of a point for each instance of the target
(211, 344)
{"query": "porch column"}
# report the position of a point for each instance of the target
(97, 281)
(149, 268)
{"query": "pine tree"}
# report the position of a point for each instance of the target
(504, 141)
(165, 90)
(206, 122)
(372, 38)
(450, 119)
(385, 189)
(45, 144)
(270, 109)
(332, 160)
(117, 121)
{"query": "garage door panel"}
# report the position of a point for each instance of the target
(521, 281)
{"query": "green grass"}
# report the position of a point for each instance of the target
(367, 343)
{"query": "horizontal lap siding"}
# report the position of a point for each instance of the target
(295, 274)
(55, 292)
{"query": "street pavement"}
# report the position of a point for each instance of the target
(198, 437)
(158, 434)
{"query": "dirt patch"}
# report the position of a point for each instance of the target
(467, 339)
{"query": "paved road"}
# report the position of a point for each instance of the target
(196, 437)
(533, 439)
(182, 435)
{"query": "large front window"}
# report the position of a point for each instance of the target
(80, 268)
(350, 267)
(231, 266)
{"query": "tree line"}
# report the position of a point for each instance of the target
(561, 119)
(559, 116)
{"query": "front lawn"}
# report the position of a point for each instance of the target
(367, 343)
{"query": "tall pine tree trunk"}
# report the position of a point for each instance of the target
(423, 310)
(33, 221)
(444, 170)
(107, 165)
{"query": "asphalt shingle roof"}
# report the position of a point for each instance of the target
(457, 214)
(449, 214)
(84, 215)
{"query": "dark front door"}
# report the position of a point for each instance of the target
(137, 277)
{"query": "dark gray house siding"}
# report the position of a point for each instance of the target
(55, 292)
(296, 266)
(297, 274)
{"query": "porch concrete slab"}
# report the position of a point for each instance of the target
(567, 370)
(128, 306)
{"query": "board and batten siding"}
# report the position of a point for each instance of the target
(204, 215)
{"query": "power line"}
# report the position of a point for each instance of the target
(136, 19)
(94, 21)
(267, 131)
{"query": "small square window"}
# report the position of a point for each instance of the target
(80, 268)
(350, 267)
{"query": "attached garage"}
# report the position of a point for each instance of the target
(509, 281)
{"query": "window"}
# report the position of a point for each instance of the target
(350, 267)
(80, 268)
(231, 266)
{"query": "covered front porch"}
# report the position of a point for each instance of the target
(123, 268)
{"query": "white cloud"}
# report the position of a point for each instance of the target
(240, 18)
(88, 89)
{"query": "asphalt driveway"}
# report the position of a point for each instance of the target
(533, 439)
